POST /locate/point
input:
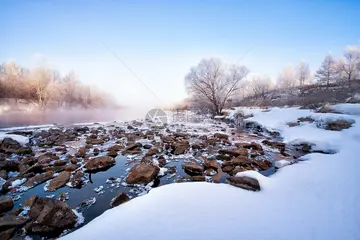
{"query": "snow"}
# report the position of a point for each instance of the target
(80, 218)
(313, 199)
(162, 171)
(18, 182)
(20, 139)
(282, 163)
(353, 109)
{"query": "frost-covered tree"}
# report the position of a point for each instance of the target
(303, 73)
(260, 85)
(327, 72)
(213, 82)
(350, 63)
(287, 78)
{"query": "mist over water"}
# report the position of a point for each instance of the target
(61, 116)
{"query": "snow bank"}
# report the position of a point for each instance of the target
(20, 139)
(314, 199)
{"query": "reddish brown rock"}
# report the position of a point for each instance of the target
(6, 204)
(99, 163)
(245, 183)
(192, 169)
(142, 174)
(119, 199)
(59, 181)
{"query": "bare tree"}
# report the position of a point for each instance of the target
(303, 72)
(327, 71)
(212, 82)
(260, 85)
(349, 64)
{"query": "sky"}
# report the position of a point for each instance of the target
(160, 40)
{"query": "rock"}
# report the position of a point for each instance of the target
(76, 180)
(119, 199)
(59, 181)
(305, 119)
(338, 125)
(24, 169)
(278, 145)
(51, 216)
(112, 154)
(223, 157)
(9, 224)
(71, 167)
(82, 129)
(6, 204)
(151, 152)
(142, 174)
(167, 139)
(210, 164)
(30, 201)
(116, 147)
(192, 169)
(234, 152)
(72, 159)
(211, 141)
(241, 161)
(133, 149)
(9, 145)
(181, 148)
(228, 168)
(3, 174)
(49, 155)
(162, 161)
(293, 124)
(60, 163)
(221, 136)
(245, 183)
(56, 169)
(262, 165)
(81, 152)
(94, 141)
(9, 166)
(16, 211)
(38, 179)
(210, 172)
(99, 163)
(197, 178)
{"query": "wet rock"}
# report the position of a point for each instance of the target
(198, 178)
(142, 174)
(76, 180)
(3, 174)
(192, 169)
(181, 148)
(6, 204)
(228, 168)
(38, 179)
(221, 136)
(81, 129)
(51, 216)
(210, 163)
(9, 224)
(305, 119)
(119, 199)
(223, 157)
(99, 163)
(162, 161)
(9, 166)
(116, 148)
(245, 183)
(262, 165)
(71, 167)
(9, 145)
(278, 145)
(30, 201)
(81, 152)
(56, 169)
(234, 152)
(59, 181)
(16, 212)
(63, 196)
(338, 125)
(48, 155)
(60, 163)
(37, 168)
(133, 149)
(197, 146)
(95, 141)
(241, 161)
(152, 151)
(167, 139)
(72, 159)
(112, 154)
(147, 146)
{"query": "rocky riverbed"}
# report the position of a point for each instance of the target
(65, 176)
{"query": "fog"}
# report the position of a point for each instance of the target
(38, 117)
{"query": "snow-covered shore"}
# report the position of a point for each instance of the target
(318, 198)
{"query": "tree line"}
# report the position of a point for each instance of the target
(48, 88)
(212, 83)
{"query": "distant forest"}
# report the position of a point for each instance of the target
(47, 88)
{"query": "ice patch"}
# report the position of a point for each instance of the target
(80, 218)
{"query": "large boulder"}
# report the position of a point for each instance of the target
(133, 149)
(338, 125)
(245, 183)
(99, 163)
(50, 216)
(221, 136)
(9, 145)
(6, 204)
(192, 169)
(119, 199)
(142, 174)
(59, 181)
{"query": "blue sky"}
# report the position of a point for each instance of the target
(161, 40)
